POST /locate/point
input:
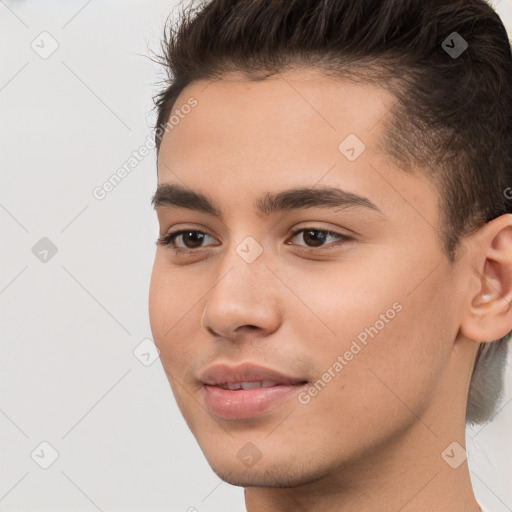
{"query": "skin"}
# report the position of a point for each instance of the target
(372, 439)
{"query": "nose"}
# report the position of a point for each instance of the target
(243, 302)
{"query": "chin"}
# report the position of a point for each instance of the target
(266, 473)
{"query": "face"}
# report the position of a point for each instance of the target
(334, 303)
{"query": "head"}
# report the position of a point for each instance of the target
(276, 104)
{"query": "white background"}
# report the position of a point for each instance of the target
(69, 326)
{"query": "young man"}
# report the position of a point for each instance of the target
(335, 208)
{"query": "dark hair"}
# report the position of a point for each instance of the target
(452, 119)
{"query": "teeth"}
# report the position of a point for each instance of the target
(249, 385)
(234, 385)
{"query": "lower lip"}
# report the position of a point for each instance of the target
(246, 403)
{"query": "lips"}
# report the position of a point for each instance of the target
(246, 390)
(223, 374)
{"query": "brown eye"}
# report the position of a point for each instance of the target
(313, 237)
(190, 239)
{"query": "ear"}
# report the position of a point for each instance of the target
(488, 308)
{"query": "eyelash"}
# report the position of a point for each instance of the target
(169, 239)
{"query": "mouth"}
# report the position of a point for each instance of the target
(233, 386)
(246, 391)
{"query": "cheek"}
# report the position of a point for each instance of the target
(344, 300)
(172, 314)
(390, 336)
(160, 306)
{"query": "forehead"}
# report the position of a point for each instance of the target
(284, 108)
(293, 115)
(293, 129)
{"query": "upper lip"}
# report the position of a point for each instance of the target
(246, 372)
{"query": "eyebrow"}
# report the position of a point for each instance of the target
(171, 195)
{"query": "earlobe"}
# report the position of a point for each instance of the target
(489, 312)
